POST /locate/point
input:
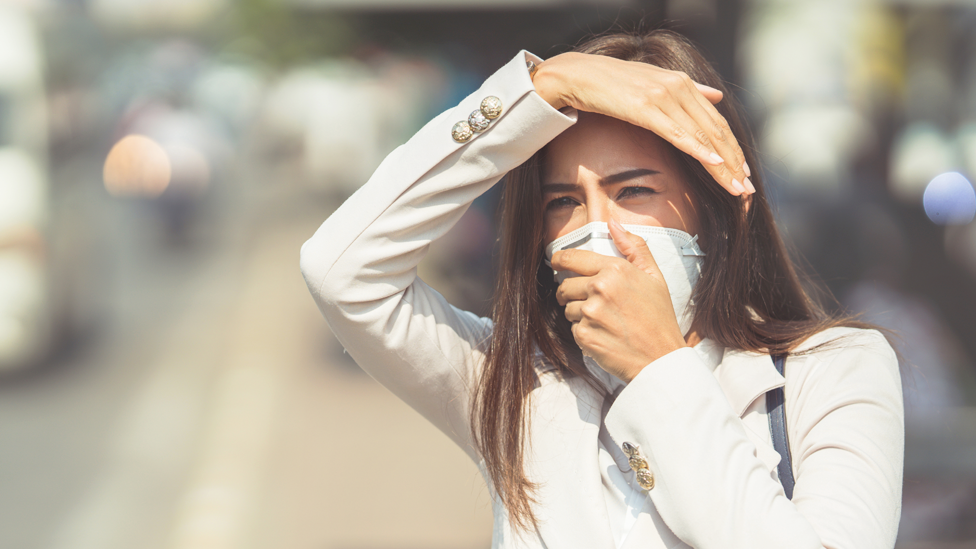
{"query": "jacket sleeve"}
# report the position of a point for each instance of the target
(361, 264)
(846, 427)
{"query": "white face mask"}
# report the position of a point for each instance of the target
(676, 252)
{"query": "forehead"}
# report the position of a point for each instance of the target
(602, 145)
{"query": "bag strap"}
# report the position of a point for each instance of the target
(775, 411)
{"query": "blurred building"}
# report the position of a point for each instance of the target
(27, 298)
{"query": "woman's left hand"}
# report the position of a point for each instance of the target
(620, 308)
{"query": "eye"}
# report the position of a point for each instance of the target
(561, 202)
(630, 192)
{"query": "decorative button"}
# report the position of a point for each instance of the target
(491, 107)
(478, 121)
(630, 449)
(461, 132)
(645, 478)
(637, 462)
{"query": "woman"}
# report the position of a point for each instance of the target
(612, 400)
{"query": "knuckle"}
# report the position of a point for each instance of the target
(589, 310)
(701, 136)
(678, 132)
(648, 102)
(717, 132)
(675, 78)
(657, 93)
(598, 286)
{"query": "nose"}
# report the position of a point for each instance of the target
(599, 208)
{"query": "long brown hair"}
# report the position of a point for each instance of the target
(749, 295)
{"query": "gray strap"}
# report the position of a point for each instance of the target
(776, 412)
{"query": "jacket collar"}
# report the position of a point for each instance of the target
(745, 376)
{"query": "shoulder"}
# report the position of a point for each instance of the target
(843, 363)
(842, 341)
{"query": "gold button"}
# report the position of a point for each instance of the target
(645, 478)
(630, 449)
(478, 121)
(461, 132)
(637, 462)
(491, 107)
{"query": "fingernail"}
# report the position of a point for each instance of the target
(738, 186)
(745, 168)
(749, 185)
(716, 158)
(616, 225)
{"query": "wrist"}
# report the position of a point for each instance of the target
(549, 81)
(653, 355)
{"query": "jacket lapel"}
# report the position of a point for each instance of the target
(744, 378)
(562, 459)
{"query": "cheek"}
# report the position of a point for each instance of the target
(688, 212)
(556, 223)
(551, 231)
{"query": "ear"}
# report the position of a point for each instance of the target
(747, 202)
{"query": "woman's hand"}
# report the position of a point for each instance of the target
(620, 308)
(665, 102)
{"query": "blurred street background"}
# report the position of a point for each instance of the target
(166, 381)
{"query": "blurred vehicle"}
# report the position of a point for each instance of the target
(26, 319)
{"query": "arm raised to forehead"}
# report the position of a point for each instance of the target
(361, 264)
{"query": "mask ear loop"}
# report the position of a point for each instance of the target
(692, 249)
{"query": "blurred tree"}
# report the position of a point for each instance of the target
(279, 35)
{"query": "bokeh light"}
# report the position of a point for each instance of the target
(920, 153)
(949, 199)
(137, 166)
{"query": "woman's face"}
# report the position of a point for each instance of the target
(601, 169)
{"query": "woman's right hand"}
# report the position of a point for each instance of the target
(665, 102)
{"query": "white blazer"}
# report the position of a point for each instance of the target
(702, 428)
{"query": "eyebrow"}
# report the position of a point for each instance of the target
(608, 180)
